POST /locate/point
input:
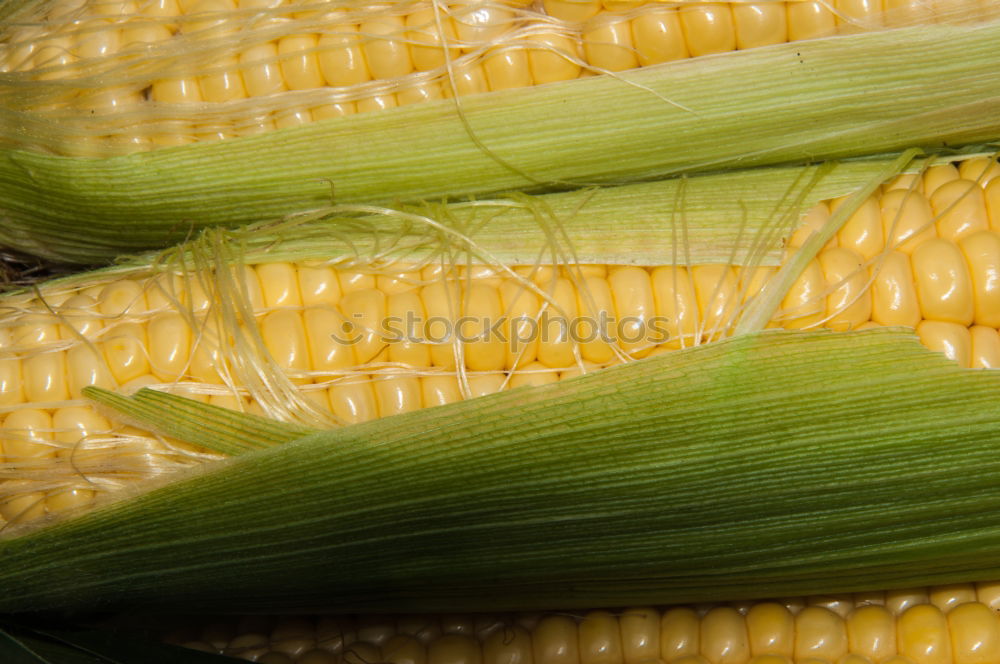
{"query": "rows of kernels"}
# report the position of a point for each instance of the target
(954, 624)
(347, 51)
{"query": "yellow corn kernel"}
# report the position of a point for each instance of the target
(708, 28)
(849, 303)
(944, 286)
(508, 644)
(572, 11)
(922, 635)
(556, 641)
(640, 633)
(428, 31)
(863, 231)
(809, 19)
(771, 629)
(947, 597)
(938, 175)
(804, 305)
(894, 296)
(385, 47)
(658, 36)
(284, 336)
(760, 24)
(27, 435)
(634, 310)
(556, 346)
(960, 209)
(951, 339)
(484, 349)
(553, 57)
(871, 631)
(364, 311)
(404, 649)
(907, 219)
(404, 324)
(716, 288)
(985, 347)
(341, 58)
(975, 634)
(507, 68)
(676, 302)
(397, 394)
(820, 633)
(597, 320)
(600, 639)
(723, 636)
(897, 601)
(454, 649)
(608, 45)
(520, 311)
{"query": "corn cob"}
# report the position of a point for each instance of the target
(332, 345)
(954, 624)
(189, 70)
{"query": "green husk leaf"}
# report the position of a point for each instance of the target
(28, 643)
(738, 217)
(768, 464)
(804, 101)
(212, 427)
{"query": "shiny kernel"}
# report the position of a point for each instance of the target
(980, 169)
(922, 635)
(871, 631)
(658, 36)
(427, 39)
(556, 641)
(507, 68)
(951, 339)
(760, 24)
(975, 634)
(771, 629)
(894, 295)
(341, 58)
(862, 231)
(708, 28)
(985, 347)
(820, 633)
(385, 48)
(938, 175)
(608, 45)
(553, 57)
(944, 285)
(809, 20)
(960, 209)
(947, 597)
(907, 219)
(724, 638)
(600, 639)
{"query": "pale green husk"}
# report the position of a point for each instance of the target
(828, 98)
(738, 217)
(768, 464)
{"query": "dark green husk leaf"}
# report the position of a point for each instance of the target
(46, 642)
(768, 464)
(804, 101)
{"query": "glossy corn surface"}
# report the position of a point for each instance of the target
(335, 344)
(119, 76)
(956, 624)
